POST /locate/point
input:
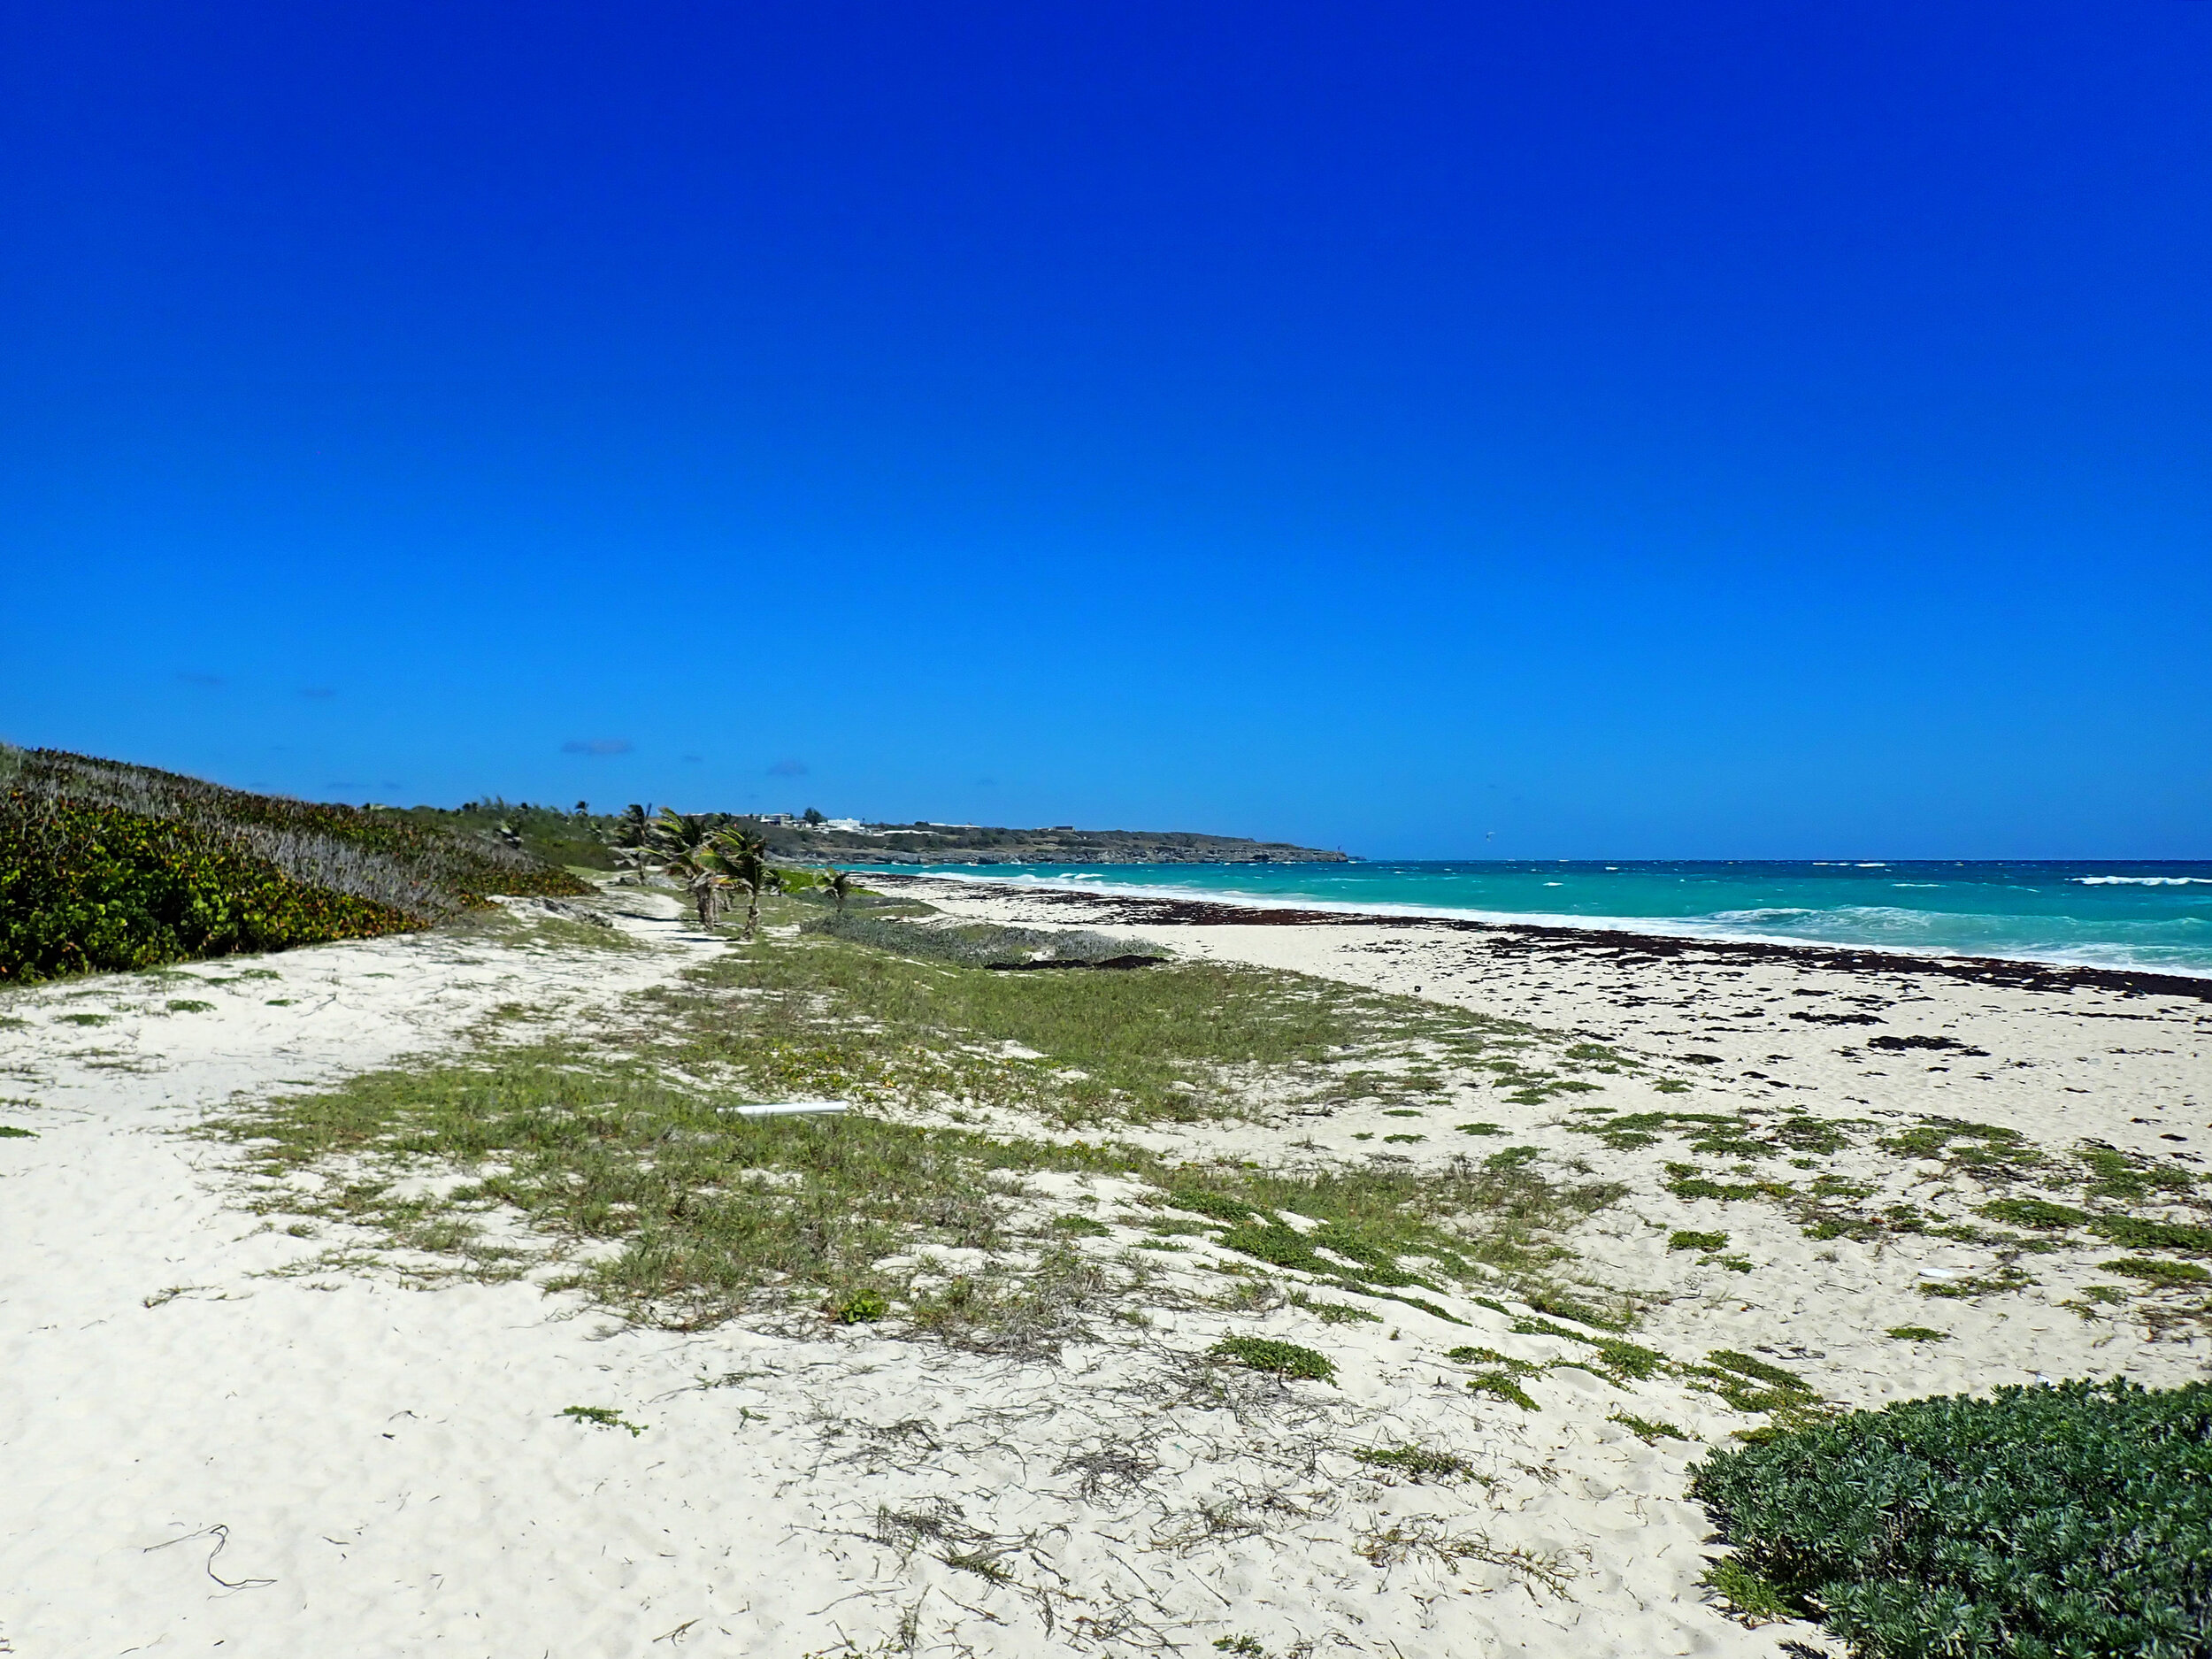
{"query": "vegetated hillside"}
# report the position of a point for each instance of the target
(106, 867)
(973, 844)
(578, 838)
(582, 838)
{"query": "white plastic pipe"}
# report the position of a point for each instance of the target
(785, 1109)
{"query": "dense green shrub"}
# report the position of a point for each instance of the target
(106, 867)
(370, 852)
(85, 888)
(2043, 1522)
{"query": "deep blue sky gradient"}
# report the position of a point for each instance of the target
(1624, 430)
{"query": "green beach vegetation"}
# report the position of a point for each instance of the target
(619, 1144)
(879, 1015)
(2039, 1523)
(987, 944)
(105, 866)
(965, 1082)
(1015, 1170)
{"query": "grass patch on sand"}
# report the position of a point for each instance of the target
(1331, 1312)
(1645, 1429)
(2158, 1271)
(1989, 1151)
(1754, 1385)
(2108, 1172)
(1415, 1463)
(1753, 1134)
(550, 926)
(1381, 1230)
(1285, 1359)
(635, 1181)
(983, 944)
(2140, 1233)
(662, 1203)
(1503, 1378)
(1686, 1239)
(1186, 1042)
(1502, 1385)
(603, 1416)
(2035, 1212)
(668, 1206)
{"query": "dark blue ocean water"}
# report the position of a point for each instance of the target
(2145, 916)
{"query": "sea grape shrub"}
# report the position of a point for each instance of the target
(2041, 1523)
(87, 888)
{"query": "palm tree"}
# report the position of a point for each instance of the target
(840, 882)
(685, 850)
(632, 841)
(744, 856)
(675, 831)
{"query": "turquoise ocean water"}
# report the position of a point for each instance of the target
(2154, 917)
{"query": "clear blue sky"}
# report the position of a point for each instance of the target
(1631, 429)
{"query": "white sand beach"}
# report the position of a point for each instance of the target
(217, 1438)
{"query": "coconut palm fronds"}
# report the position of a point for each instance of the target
(743, 856)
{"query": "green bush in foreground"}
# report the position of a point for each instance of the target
(108, 867)
(2072, 1522)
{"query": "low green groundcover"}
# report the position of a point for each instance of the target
(2072, 1522)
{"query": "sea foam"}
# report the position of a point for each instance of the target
(2143, 881)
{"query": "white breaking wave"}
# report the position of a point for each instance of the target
(2143, 881)
(1884, 927)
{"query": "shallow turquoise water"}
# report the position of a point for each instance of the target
(2145, 916)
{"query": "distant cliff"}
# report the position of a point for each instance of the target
(966, 844)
